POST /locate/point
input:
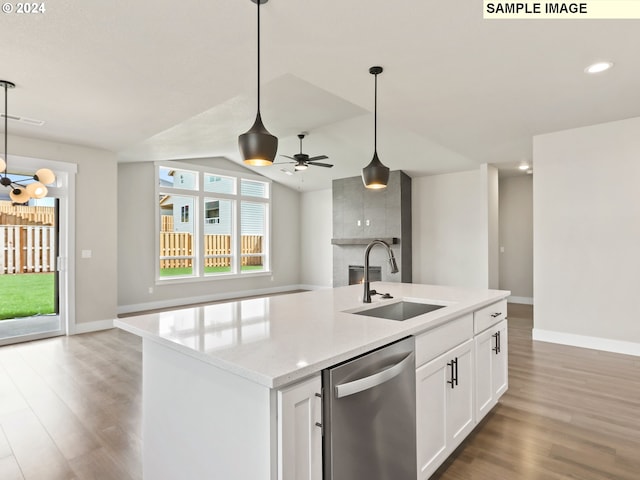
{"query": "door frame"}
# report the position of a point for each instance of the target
(65, 190)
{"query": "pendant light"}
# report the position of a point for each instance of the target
(375, 175)
(257, 146)
(21, 192)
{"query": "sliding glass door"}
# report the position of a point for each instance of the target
(29, 277)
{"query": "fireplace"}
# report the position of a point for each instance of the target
(356, 274)
(360, 216)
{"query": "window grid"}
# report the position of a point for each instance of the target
(220, 248)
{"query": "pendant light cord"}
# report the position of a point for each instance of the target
(258, 3)
(375, 115)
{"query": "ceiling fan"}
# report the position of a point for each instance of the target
(302, 161)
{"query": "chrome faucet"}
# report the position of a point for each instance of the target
(392, 263)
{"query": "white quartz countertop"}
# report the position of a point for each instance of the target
(278, 340)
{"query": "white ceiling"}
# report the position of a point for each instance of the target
(164, 79)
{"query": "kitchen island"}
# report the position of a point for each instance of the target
(229, 389)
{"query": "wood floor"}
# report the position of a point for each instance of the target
(70, 409)
(569, 413)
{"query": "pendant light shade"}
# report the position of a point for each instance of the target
(19, 195)
(27, 187)
(36, 190)
(44, 175)
(375, 175)
(257, 146)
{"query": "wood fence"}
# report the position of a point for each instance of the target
(179, 246)
(166, 223)
(27, 249)
(25, 215)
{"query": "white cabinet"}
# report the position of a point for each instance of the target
(444, 406)
(492, 379)
(299, 431)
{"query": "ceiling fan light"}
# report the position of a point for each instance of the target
(257, 146)
(45, 176)
(19, 195)
(300, 167)
(375, 175)
(36, 190)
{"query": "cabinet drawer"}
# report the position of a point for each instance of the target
(490, 315)
(437, 341)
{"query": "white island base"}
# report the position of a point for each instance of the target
(232, 391)
(201, 422)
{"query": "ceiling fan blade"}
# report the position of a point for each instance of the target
(319, 157)
(320, 164)
(287, 156)
(283, 163)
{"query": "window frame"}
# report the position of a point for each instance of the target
(198, 215)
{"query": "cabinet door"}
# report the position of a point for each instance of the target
(500, 364)
(460, 411)
(492, 353)
(484, 385)
(444, 406)
(299, 438)
(431, 423)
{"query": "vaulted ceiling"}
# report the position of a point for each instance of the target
(165, 79)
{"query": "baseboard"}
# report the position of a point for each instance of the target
(95, 326)
(521, 300)
(594, 343)
(184, 301)
(313, 287)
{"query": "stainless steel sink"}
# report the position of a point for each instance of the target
(400, 311)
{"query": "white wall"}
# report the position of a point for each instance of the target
(516, 237)
(490, 203)
(136, 243)
(315, 238)
(586, 192)
(95, 225)
(449, 217)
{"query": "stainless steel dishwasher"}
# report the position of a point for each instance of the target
(369, 416)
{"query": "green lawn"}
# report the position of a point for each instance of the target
(173, 272)
(26, 294)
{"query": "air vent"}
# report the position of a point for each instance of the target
(28, 121)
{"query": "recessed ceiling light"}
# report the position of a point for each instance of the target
(524, 166)
(287, 172)
(598, 67)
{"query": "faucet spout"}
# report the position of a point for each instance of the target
(392, 265)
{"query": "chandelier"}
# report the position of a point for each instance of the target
(23, 187)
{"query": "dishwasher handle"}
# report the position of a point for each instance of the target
(356, 386)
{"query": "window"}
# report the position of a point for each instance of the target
(212, 212)
(184, 214)
(211, 223)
